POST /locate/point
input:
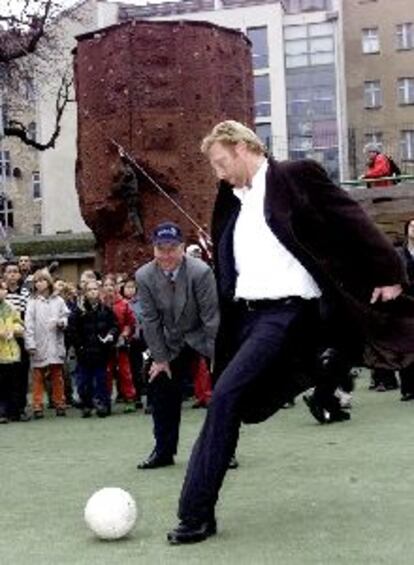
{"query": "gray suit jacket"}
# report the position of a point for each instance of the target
(184, 314)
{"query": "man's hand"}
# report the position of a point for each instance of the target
(158, 368)
(386, 293)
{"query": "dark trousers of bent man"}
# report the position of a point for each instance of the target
(262, 336)
(166, 396)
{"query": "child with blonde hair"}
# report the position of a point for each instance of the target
(46, 320)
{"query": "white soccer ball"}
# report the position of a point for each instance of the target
(111, 513)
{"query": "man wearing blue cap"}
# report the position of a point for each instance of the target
(180, 321)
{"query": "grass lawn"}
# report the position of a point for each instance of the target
(304, 494)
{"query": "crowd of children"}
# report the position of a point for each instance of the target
(45, 322)
(63, 344)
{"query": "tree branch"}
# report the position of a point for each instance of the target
(16, 41)
(17, 129)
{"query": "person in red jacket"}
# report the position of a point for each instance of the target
(378, 166)
(119, 360)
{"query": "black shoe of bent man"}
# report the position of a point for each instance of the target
(192, 532)
(155, 461)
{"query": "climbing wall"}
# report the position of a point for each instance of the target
(156, 88)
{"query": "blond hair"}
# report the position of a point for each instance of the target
(230, 133)
(43, 275)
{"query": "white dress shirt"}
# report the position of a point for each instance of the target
(265, 268)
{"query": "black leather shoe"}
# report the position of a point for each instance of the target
(325, 415)
(154, 461)
(192, 532)
(317, 411)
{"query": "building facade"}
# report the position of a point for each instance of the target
(20, 181)
(379, 66)
(295, 62)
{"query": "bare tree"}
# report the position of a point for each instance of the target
(28, 43)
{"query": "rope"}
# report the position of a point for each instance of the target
(124, 153)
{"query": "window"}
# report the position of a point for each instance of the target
(37, 229)
(6, 212)
(297, 6)
(264, 131)
(405, 36)
(262, 95)
(370, 40)
(374, 137)
(36, 185)
(406, 91)
(298, 101)
(372, 94)
(295, 32)
(309, 45)
(407, 145)
(32, 131)
(325, 134)
(323, 100)
(4, 163)
(260, 51)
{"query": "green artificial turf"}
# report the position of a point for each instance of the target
(304, 493)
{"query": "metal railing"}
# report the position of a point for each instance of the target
(363, 183)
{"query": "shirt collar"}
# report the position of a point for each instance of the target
(172, 275)
(257, 180)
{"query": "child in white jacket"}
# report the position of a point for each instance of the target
(45, 322)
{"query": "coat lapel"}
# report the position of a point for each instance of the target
(277, 205)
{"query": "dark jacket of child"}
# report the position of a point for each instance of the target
(93, 331)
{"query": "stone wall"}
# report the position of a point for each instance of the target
(156, 88)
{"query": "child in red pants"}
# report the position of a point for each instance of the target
(119, 360)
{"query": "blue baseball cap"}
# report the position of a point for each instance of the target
(167, 232)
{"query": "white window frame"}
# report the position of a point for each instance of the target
(6, 211)
(405, 35)
(5, 164)
(370, 40)
(309, 45)
(407, 145)
(406, 90)
(372, 90)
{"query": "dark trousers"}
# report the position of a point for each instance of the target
(7, 374)
(92, 386)
(166, 397)
(262, 337)
(385, 377)
(20, 384)
(407, 380)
